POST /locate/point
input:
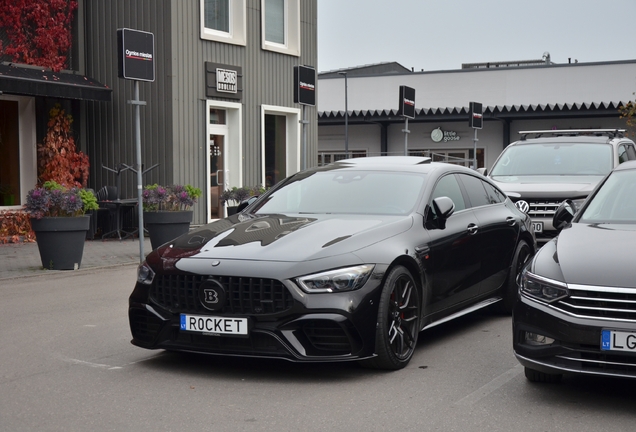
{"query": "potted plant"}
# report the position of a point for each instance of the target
(167, 211)
(236, 195)
(60, 224)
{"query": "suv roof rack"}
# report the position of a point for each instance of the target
(612, 133)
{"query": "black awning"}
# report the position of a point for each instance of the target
(35, 81)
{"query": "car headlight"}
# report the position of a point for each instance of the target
(145, 275)
(344, 279)
(541, 288)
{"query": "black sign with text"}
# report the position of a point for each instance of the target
(305, 85)
(407, 102)
(476, 117)
(136, 55)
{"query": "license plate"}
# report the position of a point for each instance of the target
(214, 325)
(538, 227)
(616, 340)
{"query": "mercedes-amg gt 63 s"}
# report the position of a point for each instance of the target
(348, 261)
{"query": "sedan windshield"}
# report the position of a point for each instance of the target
(615, 201)
(346, 191)
(554, 159)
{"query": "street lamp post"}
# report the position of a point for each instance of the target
(346, 116)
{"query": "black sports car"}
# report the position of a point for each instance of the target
(577, 308)
(344, 262)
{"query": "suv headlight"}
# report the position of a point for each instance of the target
(344, 279)
(145, 275)
(541, 288)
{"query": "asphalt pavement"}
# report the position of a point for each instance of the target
(19, 260)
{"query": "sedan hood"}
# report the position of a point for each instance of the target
(601, 255)
(285, 238)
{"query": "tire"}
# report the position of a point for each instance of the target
(541, 377)
(509, 291)
(398, 321)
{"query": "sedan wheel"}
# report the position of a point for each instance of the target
(398, 321)
(509, 294)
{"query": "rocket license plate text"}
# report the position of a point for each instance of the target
(214, 325)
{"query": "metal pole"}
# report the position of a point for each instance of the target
(304, 123)
(346, 115)
(475, 151)
(136, 102)
(406, 136)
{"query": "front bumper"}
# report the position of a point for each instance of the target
(301, 327)
(577, 342)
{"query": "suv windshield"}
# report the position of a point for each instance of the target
(347, 191)
(554, 159)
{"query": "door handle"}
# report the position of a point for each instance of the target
(472, 229)
(511, 221)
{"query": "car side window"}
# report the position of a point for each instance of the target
(476, 191)
(631, 152)
(449, 187)
(495, 196)
(622, 154)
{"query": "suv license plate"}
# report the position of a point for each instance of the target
(616, 340)
(214, 325)
(538, 227)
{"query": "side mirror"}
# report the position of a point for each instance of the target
(483, 171)
(563, 215)
(444, 208)
(245, 203)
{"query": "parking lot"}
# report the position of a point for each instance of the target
(67, 364)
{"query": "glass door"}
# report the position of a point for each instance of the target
(217, 162)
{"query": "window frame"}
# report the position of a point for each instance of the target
(292, 29)
(237, 34)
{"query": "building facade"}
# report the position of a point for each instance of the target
(220, 112)
(514, 98)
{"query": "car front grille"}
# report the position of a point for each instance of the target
(543, 208)
(600, 302)
(244, 296)
(327, 336)
(593, 361)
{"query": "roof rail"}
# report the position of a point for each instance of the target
(611, 133)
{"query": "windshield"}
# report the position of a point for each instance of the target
(554, 159)
(615, 201)
(346, 191)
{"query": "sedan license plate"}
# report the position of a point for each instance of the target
(214, 325)
(538, 227)
(617, 340)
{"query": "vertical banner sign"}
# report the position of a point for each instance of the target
(136, 55)
(406, 107)
(305, 85)
(475, 119)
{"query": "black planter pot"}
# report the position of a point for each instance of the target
(164, 226)
(61, 241)
(231, 210)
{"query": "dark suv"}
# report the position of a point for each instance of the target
(546, 167)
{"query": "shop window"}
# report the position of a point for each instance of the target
(9, 154)
(281, 26)
(325, 158)
(223, 21)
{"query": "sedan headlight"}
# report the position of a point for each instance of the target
(541, 288)
(344, 279)
(145, 275)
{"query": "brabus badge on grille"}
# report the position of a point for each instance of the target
(523, 206)
(212, 295)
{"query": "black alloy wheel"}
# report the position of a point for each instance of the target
(398, 321)
(509, 291)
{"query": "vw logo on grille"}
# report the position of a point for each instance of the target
(212, 295)
(523, 206)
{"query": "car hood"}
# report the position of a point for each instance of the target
(601, 255)
(285, 238)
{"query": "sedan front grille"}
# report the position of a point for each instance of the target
(244, 296)
(600, 302)
(543, 208)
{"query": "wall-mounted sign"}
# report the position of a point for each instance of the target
(136, 55)
(438, 135)
(305, 85)
(226, 80)
(223, 81)
(475, 119)
(406, 106)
